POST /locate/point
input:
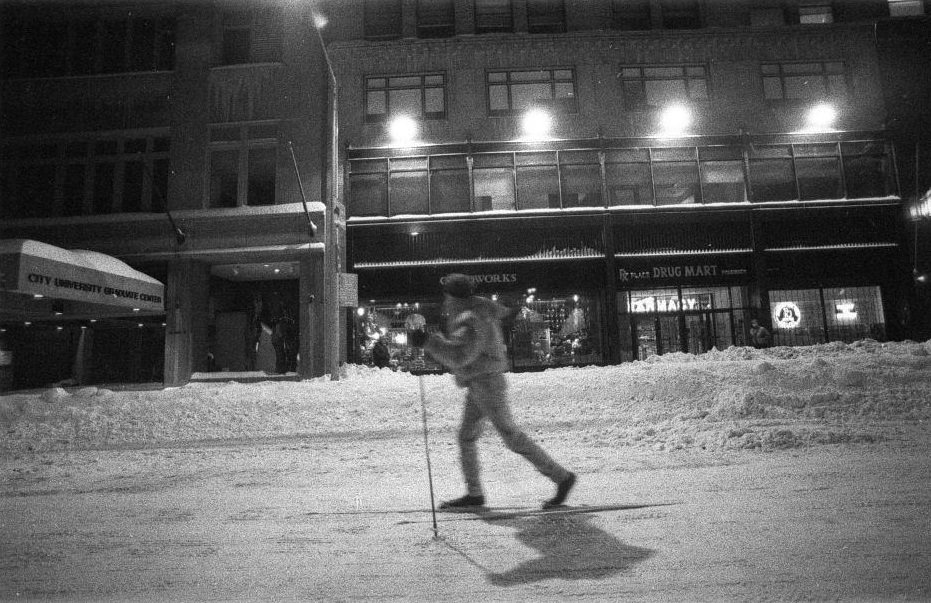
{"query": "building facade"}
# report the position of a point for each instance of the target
(678, 190)
(191, 140)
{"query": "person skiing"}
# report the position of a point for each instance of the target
(474, 351)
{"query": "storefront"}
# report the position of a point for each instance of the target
(555, 311)
(688, 304)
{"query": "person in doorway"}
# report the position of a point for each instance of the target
(474, 351)
(759, 336)
(381, 356)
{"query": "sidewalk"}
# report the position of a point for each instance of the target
(344, 519)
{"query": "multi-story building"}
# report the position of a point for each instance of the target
(192, 141)
(629, 177)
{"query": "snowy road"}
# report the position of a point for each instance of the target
(330, 519)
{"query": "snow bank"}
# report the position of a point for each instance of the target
(738, 398)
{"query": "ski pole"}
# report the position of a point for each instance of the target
(426, 445)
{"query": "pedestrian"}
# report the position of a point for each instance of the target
(474, 351)
(381, 356)
(759, 336)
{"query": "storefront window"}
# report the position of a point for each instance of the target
(722, 175)
(449, 184)
(381, 335)
(494, 182)
(368, 188)
(867, 169)
(771, 175)
(797, 317)
(408, 186)
(690, 319)
(811, 316)
(818, 169)
(557, 331)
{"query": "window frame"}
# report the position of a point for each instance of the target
(643, 102)
(824, 73)
(563, 108)
(242, 144)
(423, 86)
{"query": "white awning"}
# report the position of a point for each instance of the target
(38, 281)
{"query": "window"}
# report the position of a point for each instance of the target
(513, 92)
(368, 188)
(680, 14)
(419, 96)
(580, 173)
(628, 176)
(436, 18)
(630, 14)
(537, 181)
(675, 176)
(767, 17)
(546, 16)
(772, 175)
(493, 16)
(816, 13)
(812, 316)
(449, 184)
(41, 45)
(817, 167)
(242, 165)
(76, 177)
(867, 169)
(803, 81)
(382, 19)
(658, 86)
(408, 186)
(906, 8)
(722, 175)
(494, 182)
(251, 36)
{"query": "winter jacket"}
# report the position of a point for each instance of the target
(475, 344)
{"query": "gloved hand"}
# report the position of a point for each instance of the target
(417, 338)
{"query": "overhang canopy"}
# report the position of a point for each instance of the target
(39, 281)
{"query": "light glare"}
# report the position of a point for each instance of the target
(675, 120)
(536, 124)
(402, 130)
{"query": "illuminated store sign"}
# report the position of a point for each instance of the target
(786, 315)
(663, 304)
(657, 272)
(845, 310)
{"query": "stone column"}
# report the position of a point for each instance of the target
(187, 295)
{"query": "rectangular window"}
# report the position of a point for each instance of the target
(251, 36)
(906, 8)
(237, 37)
(73, 192)
(133, 186)
(580, 173)
(803, 81)
(867, 169)
(514, 92)
(243, 165)
(722, 175)
(767, 17)
(493, 16)
(449, 184)
(546, 16)
(408, 186)
(436, 18)
(656, 86)
(812, 316)
(537, 181)
(817, 167)
(680, 14)
(494, 182)
(418, 96)
(368, 188)
(381, 19)
(628, 177)
(772, 176)
(37, 191)
(816, 13)
(630, 14)
(675, 176)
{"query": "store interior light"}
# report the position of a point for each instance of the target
(360, 311)
(536, 125)
(320, 21)
(821, 118)
(674, 120)
(402, 130)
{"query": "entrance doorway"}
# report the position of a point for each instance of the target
(254, 319)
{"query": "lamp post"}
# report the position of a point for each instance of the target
(331, 241)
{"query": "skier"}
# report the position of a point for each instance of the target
(474, 350)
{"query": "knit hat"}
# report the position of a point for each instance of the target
(457, 285)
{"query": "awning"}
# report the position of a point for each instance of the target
(40, 281)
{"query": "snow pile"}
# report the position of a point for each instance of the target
(739, 398)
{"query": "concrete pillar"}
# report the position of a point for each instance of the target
(312, 319)
(187, 295)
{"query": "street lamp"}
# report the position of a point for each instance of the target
(402, 130)
(821, 118)
(674, 120)
(536, 124)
